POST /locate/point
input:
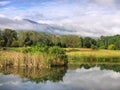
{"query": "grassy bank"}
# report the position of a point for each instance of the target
(35, 56)
(89, 55)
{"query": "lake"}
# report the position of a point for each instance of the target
(73, 77)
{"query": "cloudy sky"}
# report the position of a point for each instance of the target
(80, 17)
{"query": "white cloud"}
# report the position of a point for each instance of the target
(105, 2)
(92, 79)
(2, 3)
(80, 18)
(18, 18)
(3, 16)
(91, 25)
(15, 24)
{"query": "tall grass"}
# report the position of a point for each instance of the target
(82, 55)
(35, 56)
(20, 59)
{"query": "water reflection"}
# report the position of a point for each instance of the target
(35, 74)
(86, 77)
(114, 67)
(92, 79)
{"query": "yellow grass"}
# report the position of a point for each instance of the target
(90, 52)
(21, 59)
(81, 55)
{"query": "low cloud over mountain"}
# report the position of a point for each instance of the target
(78, 26)
(79, 17)
(26, 24)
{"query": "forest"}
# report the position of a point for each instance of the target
(12, 38)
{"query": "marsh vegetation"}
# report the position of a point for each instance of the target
(37, 49)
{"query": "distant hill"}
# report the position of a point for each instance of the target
(27, 24)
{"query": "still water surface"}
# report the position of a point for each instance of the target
(81, 77)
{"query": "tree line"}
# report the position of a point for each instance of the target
(12, 38)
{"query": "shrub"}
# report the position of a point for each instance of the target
(111, 47)
(56, 55)
(102, 47)
(94, 47)
(26, 49)
(59, 56)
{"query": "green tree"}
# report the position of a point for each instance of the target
(28, 38)
(70, 41)
(88, 42)
(21, 38)
(2, 41)
(15, 43)
(108, 40)
(55, 40)
(9, 35)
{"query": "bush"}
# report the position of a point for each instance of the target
(102, 47)
(26, 49)
(111, 47)
(56, 55)
(94, 47)
(55, 50)
(59, 56)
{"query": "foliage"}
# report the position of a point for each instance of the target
(59, 56)
(108, 40)
(70, 41)
(15, 44)
(39, 48)
(8, 36)
(102, 47)
(88, 42)
(111, 47)
(11, 38)
(94, 47)
(55, 55)
(28, 38)
(57, 52)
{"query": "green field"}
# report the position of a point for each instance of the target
(77, 55)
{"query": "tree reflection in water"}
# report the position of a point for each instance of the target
(54, 74)
(114, 67)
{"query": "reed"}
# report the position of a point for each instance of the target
(13, 58)
(34, 56)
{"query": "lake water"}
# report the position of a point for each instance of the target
(79, 77)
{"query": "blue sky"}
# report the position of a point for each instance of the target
(52, 9)
(89, 17)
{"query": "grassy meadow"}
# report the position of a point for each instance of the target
(78, 55)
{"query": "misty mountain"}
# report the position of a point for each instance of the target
(26, 24)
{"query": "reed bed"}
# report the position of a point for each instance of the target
(13, 58)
